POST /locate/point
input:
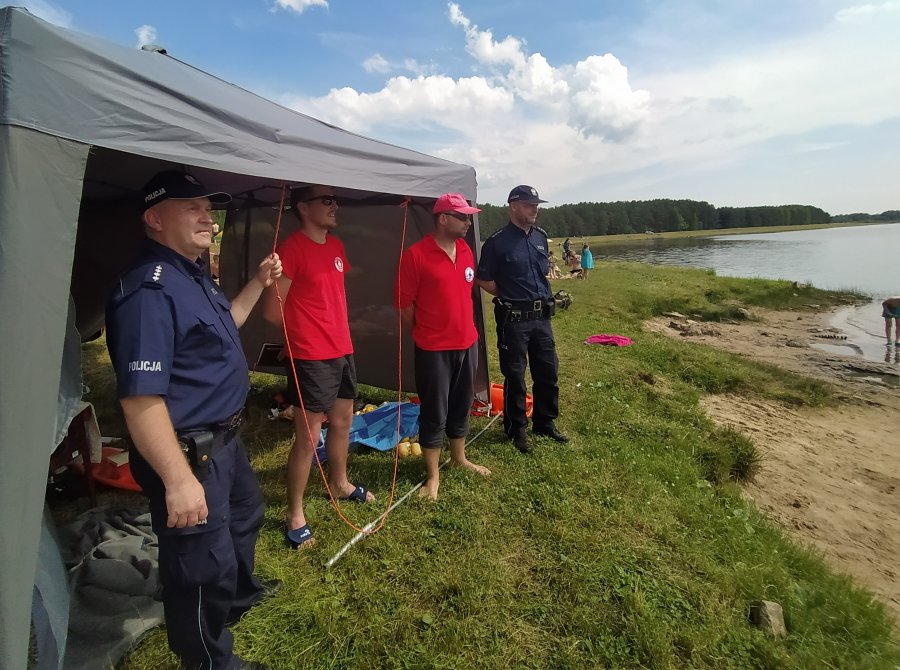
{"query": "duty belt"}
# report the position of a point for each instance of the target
(232, 422)
(526, 310)
(524, 305)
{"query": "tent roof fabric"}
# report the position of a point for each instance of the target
(147, 103)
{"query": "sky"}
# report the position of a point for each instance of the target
(738, 103)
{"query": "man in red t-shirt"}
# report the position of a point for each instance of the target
(434, 295)
(315, 312)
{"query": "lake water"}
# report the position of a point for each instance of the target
(862, 258)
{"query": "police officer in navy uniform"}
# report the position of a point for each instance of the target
(513, 267)
(182, 381)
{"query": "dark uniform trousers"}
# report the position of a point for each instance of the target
(533, 339)
(206, 571)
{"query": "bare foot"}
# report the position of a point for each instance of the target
(429, 489)
(309, 544)
(469, 465)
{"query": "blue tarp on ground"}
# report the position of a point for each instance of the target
(378, 429)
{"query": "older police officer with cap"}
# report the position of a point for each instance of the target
(513, 267)
(182, 381)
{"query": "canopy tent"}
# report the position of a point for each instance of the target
(83, 124)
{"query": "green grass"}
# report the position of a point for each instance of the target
(629, 547)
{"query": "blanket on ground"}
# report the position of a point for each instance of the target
(111, 556)
(614, 340)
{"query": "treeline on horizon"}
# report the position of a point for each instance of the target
(889, 216)
(656, 216)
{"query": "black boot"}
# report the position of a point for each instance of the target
(521, 441)
(551, 431)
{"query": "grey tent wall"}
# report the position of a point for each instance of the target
(39, 201)
(371, 234)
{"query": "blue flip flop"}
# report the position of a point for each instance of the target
(297, 537)
(359, 494)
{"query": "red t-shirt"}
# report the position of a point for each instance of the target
(441, 292)
(315, 309)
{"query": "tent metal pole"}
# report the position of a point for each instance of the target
(365, 532)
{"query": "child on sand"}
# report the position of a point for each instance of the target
(891, 310)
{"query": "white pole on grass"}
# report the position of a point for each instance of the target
(369, 526)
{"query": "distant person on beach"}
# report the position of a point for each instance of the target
(567, 250)
(891, 311)
(574, 264)
(554, 272)
(587, 261)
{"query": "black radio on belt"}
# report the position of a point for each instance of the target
(526, 310)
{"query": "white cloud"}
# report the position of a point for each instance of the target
(298, 5)
(456, 104)
(376, 63)
(47, 11)
(603, 103)
(414, 66)
(809, 147)
(591, 130)
(863, 12)
(521, 116)
(595, 93)
(146, 34)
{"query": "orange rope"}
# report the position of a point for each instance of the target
(287, 339)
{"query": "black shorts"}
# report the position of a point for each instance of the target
(445, 382)
(322, 382)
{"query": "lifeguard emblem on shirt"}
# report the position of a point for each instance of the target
(470, 275)
(339, 263)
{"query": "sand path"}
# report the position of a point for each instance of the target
(830, 476)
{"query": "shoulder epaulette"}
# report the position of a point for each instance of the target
(495, 234)
(154, 275)
(542, 230)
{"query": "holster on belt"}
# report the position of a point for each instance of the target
(197, 446)
(549, 307)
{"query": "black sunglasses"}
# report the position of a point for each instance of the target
(327, 200)
(459, 216)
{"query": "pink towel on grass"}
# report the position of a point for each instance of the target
(615, 340)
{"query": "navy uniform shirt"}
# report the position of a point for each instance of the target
(518, 262)
(170, 333)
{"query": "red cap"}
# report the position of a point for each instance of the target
(453, 202)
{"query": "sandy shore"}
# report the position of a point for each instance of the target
(830, 476)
